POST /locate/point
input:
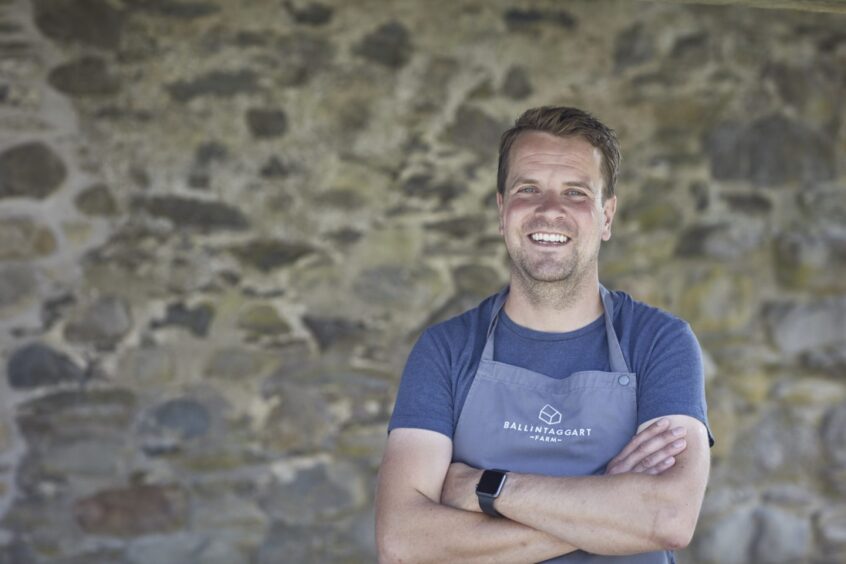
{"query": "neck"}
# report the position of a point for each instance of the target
(554, 306)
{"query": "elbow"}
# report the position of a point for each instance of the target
(392, 549)
(676, 530)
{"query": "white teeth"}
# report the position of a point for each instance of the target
(549, 238)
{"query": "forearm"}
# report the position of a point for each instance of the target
(425, 531)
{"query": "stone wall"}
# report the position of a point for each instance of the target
(223, 224)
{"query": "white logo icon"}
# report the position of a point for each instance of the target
(549, 415)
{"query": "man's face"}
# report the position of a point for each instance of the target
(552, 216)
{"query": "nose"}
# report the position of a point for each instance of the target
(550, 204)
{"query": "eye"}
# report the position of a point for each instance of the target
(527, 189)
(576, 194)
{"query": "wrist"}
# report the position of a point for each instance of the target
(489, 487)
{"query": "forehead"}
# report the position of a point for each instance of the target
(534, 150)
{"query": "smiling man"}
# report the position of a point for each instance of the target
(557, 421)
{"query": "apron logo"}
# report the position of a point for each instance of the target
(549, 415)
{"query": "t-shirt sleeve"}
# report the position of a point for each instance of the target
(672, 381)
(425, 398)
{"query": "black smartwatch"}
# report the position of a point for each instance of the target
(488, 489)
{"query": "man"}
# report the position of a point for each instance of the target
(556, 421)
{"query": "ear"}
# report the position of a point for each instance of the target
(608, 210)
(499, 203)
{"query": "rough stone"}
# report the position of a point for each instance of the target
(178, 10)
(22, 238)
(475, 130)
(797, 328)
(270, 254)
(103, 323)
(267, 123)
(88, 76)
(460, 227)
(329, 330)
(201, 215)
(262, 319)
(834, 434)
(133, 511)
(30, 170)
(300, 58)
(812, 260)
(197, 319)
(831, 524)
(96, 200)
(633, 46)
(750, 204)
(388, 45)
(299, 408)
(831, 360)
(779, 446)
(771, 151)
(782, 537)
(516, 84)
(519, 19)
(221, 84)
(722, 241)
(17, 288)
(97, 23)
(185, 417)
(424, 186)
(37, 365)
(274, 168)
(728, 540)
(313, 13)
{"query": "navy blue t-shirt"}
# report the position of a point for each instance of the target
(658, 347)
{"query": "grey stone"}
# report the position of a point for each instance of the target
(17, 287)
(187, 418)
(221, 84)
(97, 23)
(22, 238)
(103, 323)
(516, 84)
(202, 215)
(177, 548)
(267, 123)
(262, 319)
(30, 170)
(274, 168)
(519, 19)
(831, 525)
(133, 511)
(478, 280)
(313, 13)
(633, 46)
(751, 204)
(812, 259)
(779, 446)
(96, 200)
(88, 76)
(210, 152)
(460, 227)
(834, 434)
(726, 541)
(270, 254)
(771, 151)
(37, 365)
(691, 49)
(313, 495)
(424, 186)
(831, 360)
(722, 241)
(475, 130)
(329, 330)
(340, 198)
(389, 45)
(196, 319)
(300, 408)
(798, 328)
(782, 537)
(299, 58)
(178, 10)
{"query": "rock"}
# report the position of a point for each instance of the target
(262, 319)
(96, 200)
(516, 84)
(329, 330)
(97, 23)
(778, 447)
(183, 417)
(133, 511)
(17, 288)
(633, 46)
(799, 328)
(21, 239)
(831, 360)
(834, 434)
(723, 241)
(179, 10)
(299, 408)
(87, 76)
(37, 365)
(313, 13)
(782, 538)
(210, 152)
(480, 281)
(726, 541)
(518, 19)
(771, 151)
(30, 170)
(267, 123)
(424, 186)
(391, 284)
(103, 323)
(460, 227)
(274, 168)
(167, 549)
(340, 198)
(196, 319)
(389, 45)
(749, 204)
(220, 84)
(831, 525)
(812, 260)
(203, 215)
(300, 57)
(475, 130)
(270, 254)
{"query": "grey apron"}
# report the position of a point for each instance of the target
(523, 421)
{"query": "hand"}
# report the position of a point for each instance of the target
(459, 489)
(651, 451)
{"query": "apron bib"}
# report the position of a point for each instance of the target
(523, 421)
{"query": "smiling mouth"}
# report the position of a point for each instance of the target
(549, 239)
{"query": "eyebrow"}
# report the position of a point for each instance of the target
(573, 183)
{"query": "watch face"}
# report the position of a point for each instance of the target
(491, 482)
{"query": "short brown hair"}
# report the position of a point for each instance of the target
(564, 122)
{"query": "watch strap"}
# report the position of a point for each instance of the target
(486, 502)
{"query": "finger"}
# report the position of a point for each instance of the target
(647, 448)
(639, 438)
(665, 464)
(657, 457)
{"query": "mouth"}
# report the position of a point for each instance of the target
(548, 239)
